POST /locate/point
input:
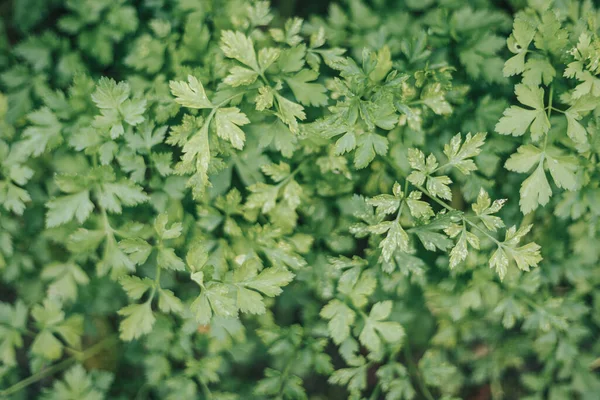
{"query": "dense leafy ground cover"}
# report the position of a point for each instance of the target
(219, 200)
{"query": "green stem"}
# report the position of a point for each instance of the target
(207, 393)
(464, 218)
(414, 371)
(550, 101)
(286, 372)
(292, 174)
(156, 284)
(549, 113)
(90, 352)
(376, 391)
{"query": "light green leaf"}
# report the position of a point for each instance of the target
(438, 186)
(563, 170)
(110, 94)
(134, 286)
(46, 345)
(138, 321)
(228, 121)
(535, 191)
(137, 249)
(369, 144)
(166, 258)
(240, 76)
(396, 239)
(309, 94)
(63, 209)
(160, 225)
(190, 94)
(524, 159)
(113, 195)
(289, 112)
(270, 281)
(499, 262)
(460, 154)
(375, 328)
(341, 319)
(168, 302)
(240, 47)
(516, 120)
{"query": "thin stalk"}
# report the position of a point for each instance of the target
(549, 113)
(376, 392)
(286, 372)
(465, 219)
(207, 393)
(414, 371)
(90, 352)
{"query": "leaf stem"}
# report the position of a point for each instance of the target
(549, 113)
(84, 355)
(414, 371)
(376, 391)
(464, 218)
(207, 393)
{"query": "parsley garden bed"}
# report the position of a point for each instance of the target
(231, 199)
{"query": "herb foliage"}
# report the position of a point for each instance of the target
(392, 200)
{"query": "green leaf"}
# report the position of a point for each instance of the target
(499, 262)
(341, 318)
(46, 345)
(438, 372)
(563, 170)
(433, 97)
(395, 381)
(516, 120)
(240, 76)
(525, 256)
(135, 287)
(43, 134)
(166, 258)
(65, 279)
(535, 191)
(168, 302)
(396, 239)
(160, 225)
(138, 321)
(438, 186)
(289, 112)
(270, 281)
(214, 299)
(459, 154)
(355, 378)
(484, 209)
(277, 172)
(376, 328)
(228, 121)
(518, 43)
(63, 209)
(137, 249)
(190, 94)
(238, 46)
(345, 144)
(110, 94)
(524, 159)
(537, 72)
(368, 145)
(113, 195)
(13, 319)
(459, 252)
(309, 94)
(77, 384)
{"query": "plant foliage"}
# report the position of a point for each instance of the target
(389, 200)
